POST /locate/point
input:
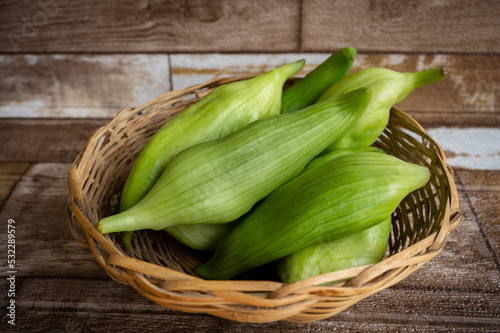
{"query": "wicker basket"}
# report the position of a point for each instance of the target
(162, 269)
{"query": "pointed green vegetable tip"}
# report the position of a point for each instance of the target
(307, 91)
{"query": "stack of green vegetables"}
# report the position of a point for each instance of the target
(258, 174)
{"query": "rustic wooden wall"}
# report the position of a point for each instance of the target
(91, 58)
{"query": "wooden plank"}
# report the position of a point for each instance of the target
(45, 140)
(44, 244)
(58, 321)
(402, 26)
(486, 209)
(397, 308)
(145, 26)
(79, 85)
(99, 86)
(100, 295)
(478, 180)
(465, 263)
(10, 173)
(474, 148)
(483, 194)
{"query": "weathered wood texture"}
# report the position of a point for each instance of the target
(10, 173)
(79, 85)
(458, 290)
(149, 26)
(43, 140)
(100, 86)
(249, 26)
(402, 26)
(38, 204)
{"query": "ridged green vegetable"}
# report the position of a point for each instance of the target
(224, 110)
(389, 88)
(362, 248)
(203, 237)
(307, 91)
(346, 195)
(220, 180)
(298, 96)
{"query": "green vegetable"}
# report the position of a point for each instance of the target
(298, 96)
(307, 91)
(203, 237)
(346, 195)
(362, 248)
(220, 180)
(323, 158)
(226, 109)
(389, 88)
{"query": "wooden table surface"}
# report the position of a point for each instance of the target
(68, 68)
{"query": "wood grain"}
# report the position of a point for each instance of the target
(149, 26)
(45, 246)
(483, 195)
(82, 321)
(45, 140)
(10, 173)
(100, 86)
(79, 85)
(446, 26)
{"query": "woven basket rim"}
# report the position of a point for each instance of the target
(167, 287)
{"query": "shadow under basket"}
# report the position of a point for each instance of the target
(162, 269)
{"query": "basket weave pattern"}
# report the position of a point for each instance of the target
(162, 269)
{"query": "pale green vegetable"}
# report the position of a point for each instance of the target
(362, 248)
(203, 237)
(346, 195)
(389, 88)
(323, 158)
(307, 91)
(220, 180)
(298, 96)
(224, 110)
